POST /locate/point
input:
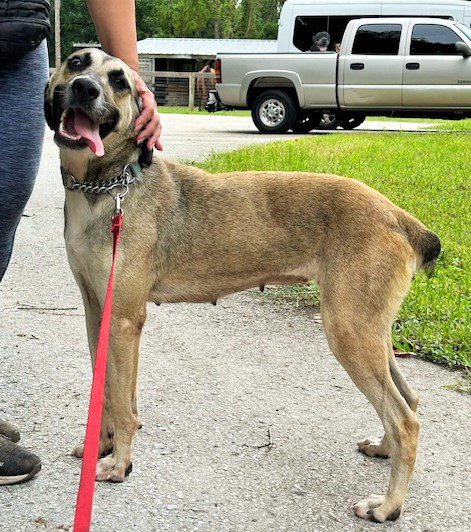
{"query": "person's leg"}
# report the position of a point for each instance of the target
(21, 137)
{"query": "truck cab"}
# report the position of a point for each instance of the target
(300, 20)
(404, 64)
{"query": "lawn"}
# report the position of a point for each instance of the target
(428, 175)
(439, 124)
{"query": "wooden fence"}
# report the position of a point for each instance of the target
(185, 86)
(178, 87)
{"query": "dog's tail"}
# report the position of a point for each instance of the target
(425, 243)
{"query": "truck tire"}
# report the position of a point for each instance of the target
(352, 121)
(305, 122)
(329, 120)
(274, 112)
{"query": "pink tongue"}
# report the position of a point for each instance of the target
(89, 131)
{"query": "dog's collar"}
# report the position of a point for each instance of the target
(128, 175)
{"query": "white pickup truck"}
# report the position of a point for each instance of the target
(401, 66)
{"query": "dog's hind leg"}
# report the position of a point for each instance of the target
(409, 394)
(126, 326)
(380, 447)
(143, 316)
(358, 307)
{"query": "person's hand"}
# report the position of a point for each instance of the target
(148, 122)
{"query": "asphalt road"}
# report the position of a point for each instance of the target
(214, 382)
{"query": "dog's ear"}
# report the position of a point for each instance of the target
(48, 108)
(145, 159)
(52, 110)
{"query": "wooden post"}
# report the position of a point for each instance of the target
(191, 91)
(57, 32)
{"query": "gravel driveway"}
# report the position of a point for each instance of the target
(249, 422)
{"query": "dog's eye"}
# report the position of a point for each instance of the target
(75, 62)
(120, 83)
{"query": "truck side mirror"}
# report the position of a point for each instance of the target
(463, 49)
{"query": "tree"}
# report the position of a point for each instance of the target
(57, 31)
(258, 19)
(225, 19)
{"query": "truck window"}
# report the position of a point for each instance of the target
(433, 39)
(306, 27)
(377, 39)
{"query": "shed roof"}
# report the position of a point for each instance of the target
(207, 48)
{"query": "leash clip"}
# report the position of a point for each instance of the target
(117, 204)
(118, 198)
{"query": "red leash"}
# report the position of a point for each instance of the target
(83, 510)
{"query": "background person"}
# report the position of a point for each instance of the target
(23, 76)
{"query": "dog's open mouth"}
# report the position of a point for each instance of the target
(77, 129)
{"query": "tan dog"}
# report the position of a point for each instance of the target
(192, 236)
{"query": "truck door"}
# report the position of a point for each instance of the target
(370, 73)
(436, 75)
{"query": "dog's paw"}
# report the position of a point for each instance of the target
(78, 451)
(375, 447)
(376, 509)
(106, 448)
(110, 469)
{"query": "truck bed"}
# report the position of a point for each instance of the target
(311, 74)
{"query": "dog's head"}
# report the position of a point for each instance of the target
(91, 102)
(322, 40)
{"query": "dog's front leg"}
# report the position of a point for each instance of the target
(92, 316)
(124, 343)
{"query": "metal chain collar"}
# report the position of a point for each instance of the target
(91, 187)
(123, 181)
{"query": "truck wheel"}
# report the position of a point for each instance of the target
(274, 112)
(353, 121)
(306, 122)
(329, 120)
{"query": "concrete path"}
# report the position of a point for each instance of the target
(214, 382)
(193, 137)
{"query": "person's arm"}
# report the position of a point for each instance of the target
(115, 23)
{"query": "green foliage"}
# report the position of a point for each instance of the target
(258, 19)
(76, 26)
(428, 175)
(255, 19)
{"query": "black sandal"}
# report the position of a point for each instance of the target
(16, 463)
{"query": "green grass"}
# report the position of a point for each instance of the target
(443, 125)
(428, 175)
(164, 109)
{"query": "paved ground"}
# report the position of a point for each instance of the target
(192, 137)
(213, 382)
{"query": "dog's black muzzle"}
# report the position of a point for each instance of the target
(85, 90)
(86, 93)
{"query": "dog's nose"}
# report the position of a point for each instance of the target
(85, 89)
